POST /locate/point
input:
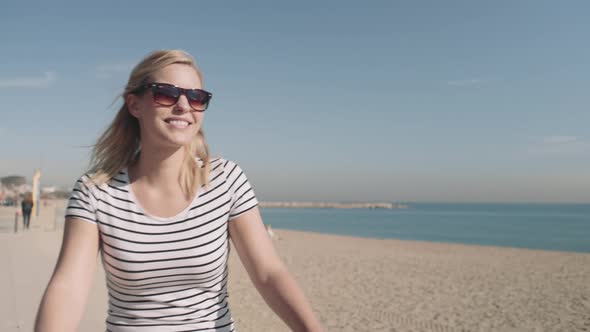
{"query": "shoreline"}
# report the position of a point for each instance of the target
(426, 242)
(333, 205)
(50, 219)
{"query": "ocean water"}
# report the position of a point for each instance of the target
(564, 227)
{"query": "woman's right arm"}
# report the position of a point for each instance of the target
(64, 301)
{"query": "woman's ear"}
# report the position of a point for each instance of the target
(132, 102)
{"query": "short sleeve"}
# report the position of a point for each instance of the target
(82, 201)
(242, 194)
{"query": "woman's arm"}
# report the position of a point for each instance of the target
(268, 273)
(64, 301)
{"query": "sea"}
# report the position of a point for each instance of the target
(562, 227)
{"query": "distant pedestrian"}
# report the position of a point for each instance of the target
(27, 208)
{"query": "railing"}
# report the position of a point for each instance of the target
(9, 222)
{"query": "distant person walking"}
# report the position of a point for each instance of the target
(27, 207)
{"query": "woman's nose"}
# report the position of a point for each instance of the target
(182, 104)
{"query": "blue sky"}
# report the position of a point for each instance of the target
(333, 100)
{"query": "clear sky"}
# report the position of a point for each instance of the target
(333, 100)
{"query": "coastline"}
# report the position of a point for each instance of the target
(333, 205)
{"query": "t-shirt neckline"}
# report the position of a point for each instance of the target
(135, 201)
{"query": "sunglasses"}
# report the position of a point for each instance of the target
(167, 95)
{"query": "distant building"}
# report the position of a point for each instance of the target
(13, 186)
(48, 190)
(11, 181)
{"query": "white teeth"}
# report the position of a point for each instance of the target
(178, 123)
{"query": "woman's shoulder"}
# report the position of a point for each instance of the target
(219, 162)
(92, 182)
(230, 168)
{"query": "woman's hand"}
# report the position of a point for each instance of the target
(268, 273)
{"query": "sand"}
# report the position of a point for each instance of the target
(354, 284)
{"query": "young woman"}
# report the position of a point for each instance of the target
(161, 212)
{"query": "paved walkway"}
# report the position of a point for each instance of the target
(27, 259)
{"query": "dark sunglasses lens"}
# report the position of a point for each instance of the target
(166, 96)
(198, 99)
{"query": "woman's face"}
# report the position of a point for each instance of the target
(168, 126)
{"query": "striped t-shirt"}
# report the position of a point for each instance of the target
(166, 274)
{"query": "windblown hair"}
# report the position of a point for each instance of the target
(119, 145)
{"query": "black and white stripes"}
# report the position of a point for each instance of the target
(166, 274)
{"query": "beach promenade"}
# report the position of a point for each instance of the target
(354, 284)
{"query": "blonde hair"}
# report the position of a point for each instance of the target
(119, 145)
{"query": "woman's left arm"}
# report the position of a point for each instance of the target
(268, 273)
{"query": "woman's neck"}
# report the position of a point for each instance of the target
(158, 167)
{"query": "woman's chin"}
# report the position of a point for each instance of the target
(170, 139)
(178, 143)
(171, 143)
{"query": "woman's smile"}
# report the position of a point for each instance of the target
(178, 123)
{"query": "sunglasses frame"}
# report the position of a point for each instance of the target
(181, 91)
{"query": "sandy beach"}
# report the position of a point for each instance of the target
(354, 284)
